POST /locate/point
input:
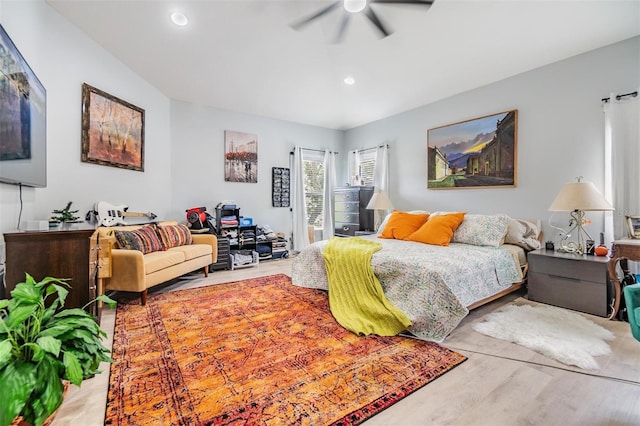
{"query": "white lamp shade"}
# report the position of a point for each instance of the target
(579, 196)
(380, 201)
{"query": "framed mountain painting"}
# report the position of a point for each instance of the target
(476, 153)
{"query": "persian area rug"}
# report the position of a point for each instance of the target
(260, 351)
(560, 334)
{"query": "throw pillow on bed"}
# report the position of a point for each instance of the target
(402, 224)
(482, 230)
(174, 235)
(386, 219)
(143, 239)
(438, 230)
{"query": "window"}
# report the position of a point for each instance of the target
(363, 167)
(313, 188)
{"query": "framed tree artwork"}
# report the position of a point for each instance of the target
(477, 153)
(112, 130)
(240, 157)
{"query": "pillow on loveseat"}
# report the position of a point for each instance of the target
(143, 239)
(174, 235)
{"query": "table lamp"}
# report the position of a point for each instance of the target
(577, 198)
(379, 201)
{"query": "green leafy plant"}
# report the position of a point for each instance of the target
(41, 345)
(65, 214)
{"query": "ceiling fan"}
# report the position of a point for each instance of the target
(351, 7)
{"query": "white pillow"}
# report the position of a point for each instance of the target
(522, 233)
(482, 230)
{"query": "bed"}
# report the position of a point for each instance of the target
(435, 286)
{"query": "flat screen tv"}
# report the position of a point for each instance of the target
(23, 135)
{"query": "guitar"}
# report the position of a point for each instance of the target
(110, 215)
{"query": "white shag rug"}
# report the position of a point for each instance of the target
(560, 334)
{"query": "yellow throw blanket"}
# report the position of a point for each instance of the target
(355, 294)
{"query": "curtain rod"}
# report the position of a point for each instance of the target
(315, 150)
(618, 97)
(375, 147)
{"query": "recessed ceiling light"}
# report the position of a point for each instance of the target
(179, 19)
(354, 6)
(349, 80)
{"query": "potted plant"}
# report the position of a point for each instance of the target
(41, 345)
(65, 215)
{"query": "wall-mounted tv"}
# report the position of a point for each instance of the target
(23, 133)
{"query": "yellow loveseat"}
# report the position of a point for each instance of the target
(136, 270)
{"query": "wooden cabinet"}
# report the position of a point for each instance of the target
(350, 210)
(577, 282)
(59, 253)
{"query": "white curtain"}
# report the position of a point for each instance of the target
(300, 228)
(622, 163)
(381, 172)
(353, 167)
(381, 179)
(327, 199)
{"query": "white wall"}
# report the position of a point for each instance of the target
(183, 143)
(197, 167)
(63, 58)
(560, 135)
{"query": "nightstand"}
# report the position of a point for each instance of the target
(577, 282)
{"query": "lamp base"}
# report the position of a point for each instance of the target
(578, 247)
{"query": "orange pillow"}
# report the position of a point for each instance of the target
(438, 230)
(401, 224)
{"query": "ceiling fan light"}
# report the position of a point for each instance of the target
(354, 6)
(179, 19)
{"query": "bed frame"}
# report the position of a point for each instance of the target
(514, 286)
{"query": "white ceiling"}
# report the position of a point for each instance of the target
(242, 55)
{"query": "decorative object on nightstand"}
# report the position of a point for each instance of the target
(379, 201)
(577, 198)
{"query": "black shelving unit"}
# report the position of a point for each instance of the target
(224, 258)
(242, 238)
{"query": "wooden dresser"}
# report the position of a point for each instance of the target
(350, 208)
(60, 253)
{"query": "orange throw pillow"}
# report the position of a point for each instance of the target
(438, 230)
(401, 224)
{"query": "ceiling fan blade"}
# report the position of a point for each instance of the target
(419, 2)
(301, 23)
(376, 21)
(343, 26)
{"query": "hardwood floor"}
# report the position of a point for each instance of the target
(500, 384)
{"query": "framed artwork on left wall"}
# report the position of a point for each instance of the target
(112, 130)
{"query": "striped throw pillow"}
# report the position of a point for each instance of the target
(144, 239)
(174, 235)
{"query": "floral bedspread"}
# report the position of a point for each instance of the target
(431, 284)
